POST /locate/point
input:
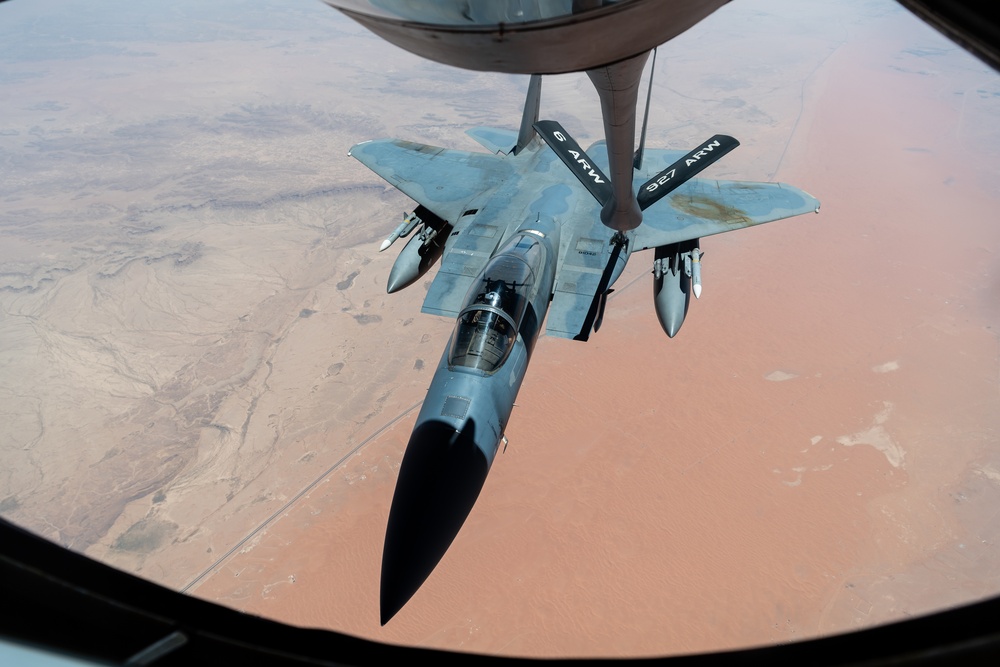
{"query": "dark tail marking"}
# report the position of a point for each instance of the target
(687, 167)
(576, 159)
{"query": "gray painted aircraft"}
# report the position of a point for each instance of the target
(521, 233)
(536, 231)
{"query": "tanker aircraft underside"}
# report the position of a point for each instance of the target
(524, 241)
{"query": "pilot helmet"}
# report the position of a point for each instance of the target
(493, 298)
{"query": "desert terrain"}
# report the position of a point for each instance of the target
(203, 381)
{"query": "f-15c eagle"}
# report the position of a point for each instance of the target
(531, 236)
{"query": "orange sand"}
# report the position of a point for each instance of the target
(668, 496)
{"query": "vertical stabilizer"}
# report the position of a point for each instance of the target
(530, 115)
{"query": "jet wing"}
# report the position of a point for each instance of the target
(441, 180)
(444, 182)
(703, 207)
(697, 208)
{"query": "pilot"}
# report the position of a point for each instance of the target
(497, 294)
(492, 299)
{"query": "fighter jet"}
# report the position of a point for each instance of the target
(130, 616)
(531, 236)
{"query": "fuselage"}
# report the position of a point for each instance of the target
(471, 396)
(481, 370)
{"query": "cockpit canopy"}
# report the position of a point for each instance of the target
(487, 327)
(482, 340)
(505, 284)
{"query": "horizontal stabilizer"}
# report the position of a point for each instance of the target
(684, 169)
(576, 159)
(498, 142)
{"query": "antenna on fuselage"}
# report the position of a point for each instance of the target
(637, 162)
(529, 117)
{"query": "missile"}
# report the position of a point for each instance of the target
(696, 272)
(402, 230)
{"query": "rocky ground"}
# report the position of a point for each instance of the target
(203, 381)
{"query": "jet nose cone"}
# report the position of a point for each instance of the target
(440, 477)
